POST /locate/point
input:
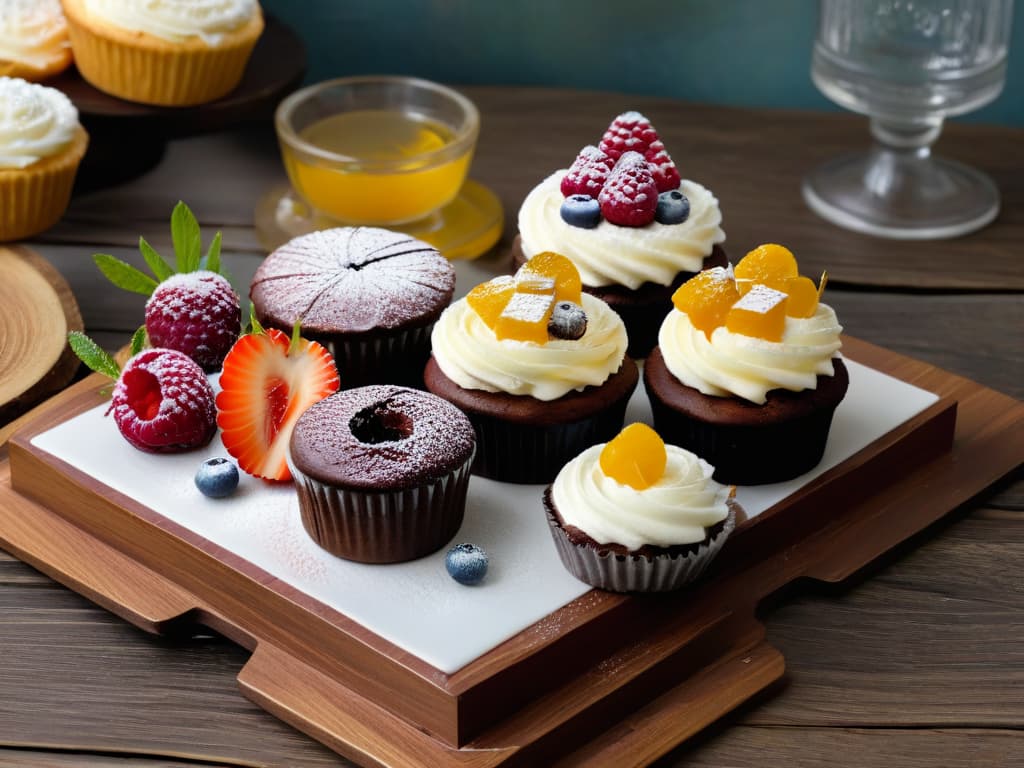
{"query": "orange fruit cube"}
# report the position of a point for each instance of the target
(769, 264)
(567, 283)
(635, 457)
(707, 298)
(488, 299)
(525, 318)
(760, 313)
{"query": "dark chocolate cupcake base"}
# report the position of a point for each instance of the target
(524, 440)
(615, 568)
(746, 443)
(641, 309)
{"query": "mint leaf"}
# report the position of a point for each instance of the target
(212, 259)
(293, 345)
(90, 353)
(139, 339)
(186, 238)
(254, 323)
(124, 275)
(156, 262)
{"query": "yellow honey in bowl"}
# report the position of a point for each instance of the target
(391, 177)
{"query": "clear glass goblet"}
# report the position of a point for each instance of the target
(907, 64)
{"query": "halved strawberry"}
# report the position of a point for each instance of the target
(267, 382)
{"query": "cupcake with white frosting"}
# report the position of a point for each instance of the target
(632, 226)
(637, 515)
(539, 367)
(41, 147)
(34, 41)
(164, 52)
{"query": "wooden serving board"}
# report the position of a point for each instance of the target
(606, 680)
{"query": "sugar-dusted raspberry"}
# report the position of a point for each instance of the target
(196, 313)
(162, 402)
(630, 197)
(588, 173)
(666, 175)
(629, 132)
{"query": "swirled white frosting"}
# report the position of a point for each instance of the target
(468, 353)
(612, 255)
(675, 510)
(33, 32)
(35, 122)
(176, 20)
(731, 364)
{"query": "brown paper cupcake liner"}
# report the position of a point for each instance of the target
(33, 199)
(614, 572)
(393, 358)
(383, 526)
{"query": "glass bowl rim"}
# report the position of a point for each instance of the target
(464, 135)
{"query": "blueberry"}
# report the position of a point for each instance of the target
(581, 211)
(466, 563)
(673, 208)
(568, 321)
(217, 478)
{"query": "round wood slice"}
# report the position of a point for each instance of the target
(38, 311)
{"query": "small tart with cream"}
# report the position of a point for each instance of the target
(637, 515)
(747, 370)
(539, 366)
(34, 41)
(41, 146)
(164, 52)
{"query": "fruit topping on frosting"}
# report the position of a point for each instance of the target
(191, 308)
(541, 300)
(630, 197)
(268, 381)
(162, 401)
(635, 457)
(673, 208)
(588, 172)
(581, 211)
(625, 173)
(764, 289)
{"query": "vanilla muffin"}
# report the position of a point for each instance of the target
(163, 52)
(41, 146)
(34, 41)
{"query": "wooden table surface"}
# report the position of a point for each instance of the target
(917, 662)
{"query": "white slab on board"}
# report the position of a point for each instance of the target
(416, 605)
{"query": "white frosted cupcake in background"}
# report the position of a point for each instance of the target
(41, 146)
(636, 515)
(34, 41)
(164, 52)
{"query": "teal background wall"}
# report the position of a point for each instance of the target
(740, 52)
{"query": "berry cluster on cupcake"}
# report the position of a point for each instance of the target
(637, 515)
(747, 372)
(632, 226)
(539, 367)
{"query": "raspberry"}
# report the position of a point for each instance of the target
(629, 132)
(162, 402)
(664, 171)
(629, 198)
(588, 173)
(196, 313)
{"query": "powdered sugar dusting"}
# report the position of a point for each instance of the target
(353, 280)
(324, 447)
(760, 299)
(528, 307)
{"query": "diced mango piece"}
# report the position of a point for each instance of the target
(769, 264)
(489, 299)
(635, 457)
(525, 318)
(760, 313)
(568, 285)
(803, 297)
(707, 298)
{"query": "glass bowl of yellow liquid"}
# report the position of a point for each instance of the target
(382, 151)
